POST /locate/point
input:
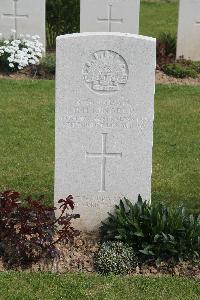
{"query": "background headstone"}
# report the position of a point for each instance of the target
(110, 16)
(188, 40)
(104, 121)
(24, 16)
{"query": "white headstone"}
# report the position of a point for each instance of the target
(188, 40)
(104, 121)
(24, 16)
(110, 16)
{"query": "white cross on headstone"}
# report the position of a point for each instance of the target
(15, 16)
(103, 155)
(109, 19)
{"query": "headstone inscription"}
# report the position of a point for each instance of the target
(104, 121)
(110, 16)
(24, 16)
(188, 40)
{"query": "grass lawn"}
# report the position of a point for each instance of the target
(27, 141)
(18, 286)
(157, 17)
(27, 165)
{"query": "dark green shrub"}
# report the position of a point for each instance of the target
(116, 258)
(168, 41)
(179, 71)
(154, 230)
(63, 16)
(195, 65)
(47, 65)
(49, 62)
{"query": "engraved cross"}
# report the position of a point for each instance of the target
(109, 19)
(103, 155)
(15, 16)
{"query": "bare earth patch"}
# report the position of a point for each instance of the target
(78, 257)
(17, 75)
(161, 78)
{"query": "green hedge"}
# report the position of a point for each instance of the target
(62, 17)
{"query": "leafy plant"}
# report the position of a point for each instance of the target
(29, 232)
(115, 257)
(47, 66)
(179, 71)
(195, 65)
(154, 230)
(62, 17)
(166, 48)
(169, 42)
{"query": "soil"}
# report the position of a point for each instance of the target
(78, 256)
(161, 77)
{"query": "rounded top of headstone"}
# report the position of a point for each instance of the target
(114, 34)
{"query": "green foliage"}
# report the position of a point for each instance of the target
(62, 18)
(180, 71)
(49, 63)
(169, 42)
(154, 230)
(195, 65)
(115, 257)
(47, 67)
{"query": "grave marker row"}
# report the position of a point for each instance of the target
(27, 16)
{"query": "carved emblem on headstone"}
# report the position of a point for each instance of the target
(106, 72)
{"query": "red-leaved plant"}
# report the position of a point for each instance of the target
(31, 231)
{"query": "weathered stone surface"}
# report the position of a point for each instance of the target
(110, 16)
(24, 16)
(188, 41)
(104, 121)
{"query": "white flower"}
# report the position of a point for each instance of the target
(22, 52)
(13, 30)
(35, 37)
(32, 61)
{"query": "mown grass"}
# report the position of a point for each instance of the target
(157, 17)
(27, 136)
(27, 141)
(17, 286)
(176, 162)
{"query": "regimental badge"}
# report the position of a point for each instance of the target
(106, 72)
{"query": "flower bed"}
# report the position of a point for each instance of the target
(17, 54)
